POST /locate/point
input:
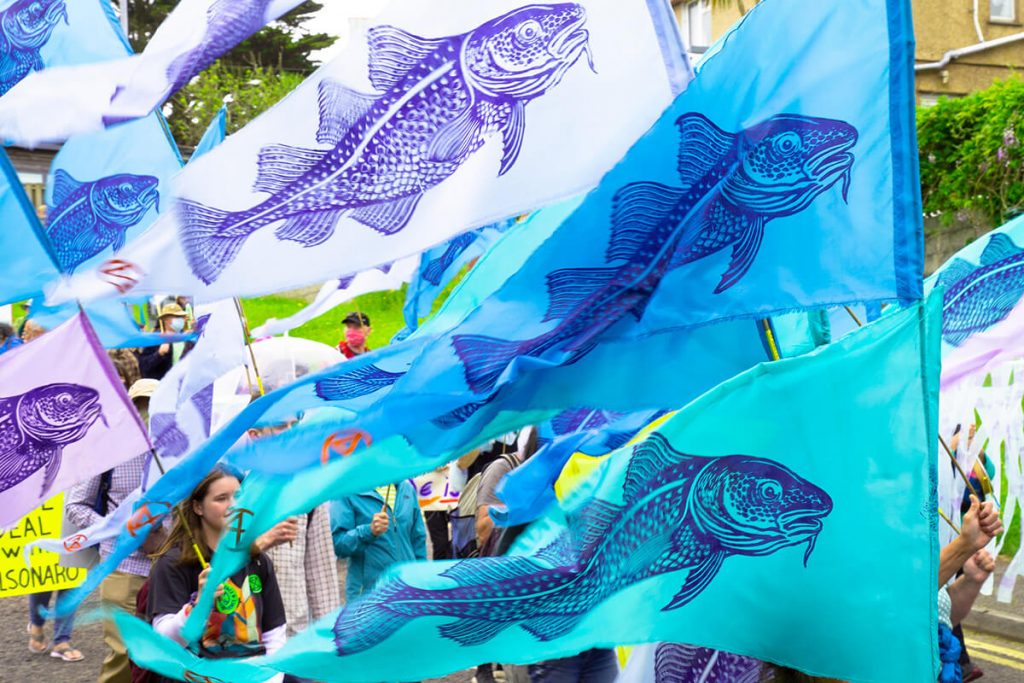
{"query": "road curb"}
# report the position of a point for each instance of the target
(996, 622)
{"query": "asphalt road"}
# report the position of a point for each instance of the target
(1002, 661)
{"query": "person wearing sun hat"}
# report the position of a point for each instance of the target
(156, 361)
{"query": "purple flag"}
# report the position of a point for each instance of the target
(64, 417)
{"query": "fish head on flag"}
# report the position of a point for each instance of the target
(104, 188)
(673, 536)
(395, 160)
(64, 418)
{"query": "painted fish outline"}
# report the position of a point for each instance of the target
(727, 196)
(20, 44)
(91, 216)
(37, 425)
(978, 297)
(437, 103)
(678, 512)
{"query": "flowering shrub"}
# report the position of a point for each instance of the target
(971, 157)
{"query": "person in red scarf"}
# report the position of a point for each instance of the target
(357, 329)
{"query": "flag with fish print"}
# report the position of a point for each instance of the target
(675, 535)
(439, 265)
(680, 663)
(334, 293)
(191, 38)
(983, 315)
(437, 119)
(27, 260)
(64, 417)
(41, 34)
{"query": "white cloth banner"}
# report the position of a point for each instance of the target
(337, 292)
(54, 104)
(440, 118)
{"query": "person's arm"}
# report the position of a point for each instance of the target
(486, 497)
(78, 506)
(979, 526)
(322, 588)
(964, 590)
(348, 537)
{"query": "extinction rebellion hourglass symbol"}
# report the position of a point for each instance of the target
(237, 519)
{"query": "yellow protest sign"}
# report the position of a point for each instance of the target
(45, 574)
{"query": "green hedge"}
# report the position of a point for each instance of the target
(971, 158)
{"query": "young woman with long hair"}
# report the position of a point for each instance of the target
(248, 618)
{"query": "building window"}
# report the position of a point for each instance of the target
(1003, 10)
(695, 22)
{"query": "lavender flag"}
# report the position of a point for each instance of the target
(438, 119)
(64, 417)
(116, 91)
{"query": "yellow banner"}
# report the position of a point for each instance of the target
(45, 574)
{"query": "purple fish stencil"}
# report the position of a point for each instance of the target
(37, 425)
(438, 102)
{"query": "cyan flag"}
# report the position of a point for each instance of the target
(671, 538)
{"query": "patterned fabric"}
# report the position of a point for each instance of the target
(945, 607)
(307, 572)
(389, 493)
(126, 478)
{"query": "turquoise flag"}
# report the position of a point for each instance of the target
(789, 523)
(26, 258)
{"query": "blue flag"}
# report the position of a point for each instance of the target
(674, 536)
(26, 259)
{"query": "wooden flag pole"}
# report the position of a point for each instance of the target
(949, 521)
(248, 344)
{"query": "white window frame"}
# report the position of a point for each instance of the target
(702, 9)
(1003, 20)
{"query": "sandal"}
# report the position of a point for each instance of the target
(65, 652)
(36, 640)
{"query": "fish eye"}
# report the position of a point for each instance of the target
(125, 187)
(770, 490)
(529, 31)
(64, 398)
(787, 143)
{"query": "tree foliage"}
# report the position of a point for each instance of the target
(248, 92)
(286, 45)
(971, 158)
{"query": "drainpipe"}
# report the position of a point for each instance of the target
(977, 24)
(971, 49)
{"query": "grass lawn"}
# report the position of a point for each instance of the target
(383, 308)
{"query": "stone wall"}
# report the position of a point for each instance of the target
(942, 241)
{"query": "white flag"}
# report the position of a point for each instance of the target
(440, 118)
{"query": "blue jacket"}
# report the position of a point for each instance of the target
(368, 555)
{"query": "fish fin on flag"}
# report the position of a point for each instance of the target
(278, 166)
(389, 217)
(490, 569)
(456, 417)
(999, 247)
(650, 457)
(743, 254)
(53, 456)
(593, 522)
(484, 358)
(569, 287)
(684, 252)
(549, 627)
(956, 271)
(956, 337)
(456, 139)
(168, 439)
(473, 631)
(558, 553)
(394, 53)
(696, 581)
(119, 239)
(208, 247)
(512, 136)
(63, 186)
(361, 382)
(340, 109)
(637, 209)
(309, 229)
(702, 144)
(362, 625)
